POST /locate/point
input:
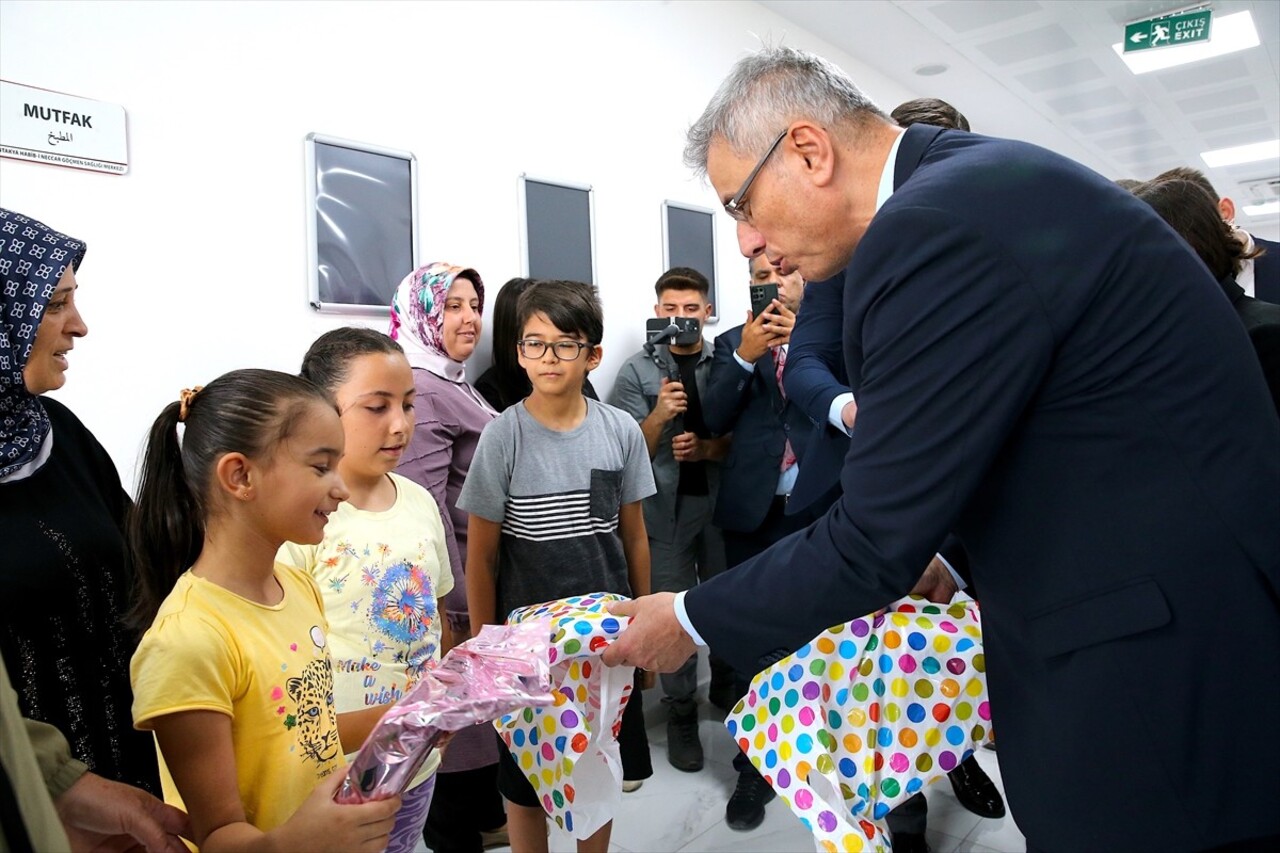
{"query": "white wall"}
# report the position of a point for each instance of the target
(197, 257)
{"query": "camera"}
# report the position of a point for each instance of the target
(761, 297)
(681, 331)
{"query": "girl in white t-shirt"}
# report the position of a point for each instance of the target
(383, 565)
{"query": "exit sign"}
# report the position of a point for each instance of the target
(1175, 30)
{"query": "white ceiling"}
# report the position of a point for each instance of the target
(1044, 71)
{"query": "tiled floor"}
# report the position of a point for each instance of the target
(677, 811)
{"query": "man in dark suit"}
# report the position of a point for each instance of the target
(745, 398)
(1258, 276)
(1043, 368)
(815, 378)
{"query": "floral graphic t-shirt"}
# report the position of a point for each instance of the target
(265, 666)
(381, 575)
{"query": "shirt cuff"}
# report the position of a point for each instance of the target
(746, 365)
(836, 413)
(682, 616)
(960, 584)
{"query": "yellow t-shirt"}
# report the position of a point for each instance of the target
(382, 576)
(267, 667)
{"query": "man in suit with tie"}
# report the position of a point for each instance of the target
(1042, 367)
(744, 397)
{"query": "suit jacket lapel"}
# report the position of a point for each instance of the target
(915, 141)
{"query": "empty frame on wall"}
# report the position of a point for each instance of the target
(362, 223)
(557, 234)
(689, 240)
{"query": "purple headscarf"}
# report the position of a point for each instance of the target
(417, 315)
(33, 258)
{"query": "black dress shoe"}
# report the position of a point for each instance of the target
(684, 748)
(746, 807)
(910, 842)
(975, 790)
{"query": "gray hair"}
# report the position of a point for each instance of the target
(768, 90)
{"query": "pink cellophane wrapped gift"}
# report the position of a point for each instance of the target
(569, 751)
(867, 714)
(502, 669)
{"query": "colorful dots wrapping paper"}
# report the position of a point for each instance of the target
(569, 750)
(867, 714)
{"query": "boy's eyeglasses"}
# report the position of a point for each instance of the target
(564, 350)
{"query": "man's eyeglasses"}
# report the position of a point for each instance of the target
(564, 350)
(735, 206)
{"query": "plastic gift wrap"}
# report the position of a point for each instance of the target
(502, 669)
(867, 714)
(569, 751)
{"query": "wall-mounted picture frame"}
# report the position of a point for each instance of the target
(689, 240)
(362, 223)
(557, 229)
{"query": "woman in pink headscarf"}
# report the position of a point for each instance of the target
(435, 316)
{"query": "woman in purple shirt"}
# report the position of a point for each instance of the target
(435, 316)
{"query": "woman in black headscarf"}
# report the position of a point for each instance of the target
(65, 579)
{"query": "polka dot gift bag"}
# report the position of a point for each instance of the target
(569, 750)
(867, 714)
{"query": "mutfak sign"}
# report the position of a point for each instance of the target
(1170, 31)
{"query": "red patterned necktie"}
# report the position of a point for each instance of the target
(780, 363)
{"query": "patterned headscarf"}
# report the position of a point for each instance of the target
(417, 316)
(33, 258)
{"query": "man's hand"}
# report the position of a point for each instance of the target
(672, 400)
(654, 640)
(99, 814)
(849, 414)
(936, 584)
(756, 340)
(779, 320)
(687, 447)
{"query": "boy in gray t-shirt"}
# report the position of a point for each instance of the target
(554, 495)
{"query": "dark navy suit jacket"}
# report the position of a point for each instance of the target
(749, 405)
(1262, 322)
(1042, 366)
(813, 378)
(1266, 272)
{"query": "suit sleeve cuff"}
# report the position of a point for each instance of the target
(960, 584)
(682, 616)
(746, 365)
(836, 413)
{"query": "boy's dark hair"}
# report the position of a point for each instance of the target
(1193, 213)
(1186, 173)
(933, 111)
(328, 361)
(682, 278)
(245, 411)
(571, 306)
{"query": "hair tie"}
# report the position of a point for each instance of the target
(185, 398)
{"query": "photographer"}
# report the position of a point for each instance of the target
(683, 544)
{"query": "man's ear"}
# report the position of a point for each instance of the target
(815, 148)
(234, 475)
(1227, 209)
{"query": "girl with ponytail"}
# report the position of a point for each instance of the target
(233, 675)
